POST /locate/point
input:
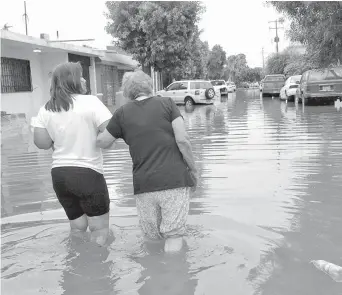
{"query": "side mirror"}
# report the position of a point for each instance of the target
(165, 88)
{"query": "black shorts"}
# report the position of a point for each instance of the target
(80, 191)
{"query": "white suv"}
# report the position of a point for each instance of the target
(189, 92)
(220, 86)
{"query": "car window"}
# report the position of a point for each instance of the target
(326, 74)
(205, 85)
(274, 79)
(194, 85)
(183, 86)
(174, 86)
(200, 85)
(334, 74)
(317, 75)
(295, 79)
(303, 78)
(288, 81)
(217, 83)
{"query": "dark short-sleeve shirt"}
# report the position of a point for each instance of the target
(146, 127)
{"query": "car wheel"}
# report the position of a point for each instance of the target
(189, 102)
(210, 93)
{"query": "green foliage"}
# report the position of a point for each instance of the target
(238, 71)
(318, 26)
(276, 63)
(289, 62)
(216, 61)
(161, 34)
(236, 67)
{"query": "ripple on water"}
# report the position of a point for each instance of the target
(268, 203)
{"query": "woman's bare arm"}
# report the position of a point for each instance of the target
(42, 139)
(183, 142)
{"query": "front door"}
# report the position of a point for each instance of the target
(172, 91)
(85, 63)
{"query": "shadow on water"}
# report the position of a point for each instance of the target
(268, 203)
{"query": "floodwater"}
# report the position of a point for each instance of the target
(269, 202)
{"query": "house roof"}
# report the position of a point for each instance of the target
(12, 38)
(110, 57)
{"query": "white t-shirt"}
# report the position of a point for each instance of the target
(74, 132)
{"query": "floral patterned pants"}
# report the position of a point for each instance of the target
(163, 214)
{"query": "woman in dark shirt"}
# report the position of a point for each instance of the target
(163, 164)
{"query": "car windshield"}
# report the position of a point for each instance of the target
(295, 79)
(327, 74)
(217, 83)
(200, 85)
(274, 79)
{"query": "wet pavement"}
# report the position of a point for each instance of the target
(269, 202)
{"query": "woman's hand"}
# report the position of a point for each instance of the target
(194, 177)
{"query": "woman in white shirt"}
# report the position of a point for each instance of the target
(69, 124)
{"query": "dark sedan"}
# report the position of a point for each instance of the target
(321, 85)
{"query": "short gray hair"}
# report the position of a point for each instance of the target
(135, 84)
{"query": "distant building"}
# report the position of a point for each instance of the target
(27, 64)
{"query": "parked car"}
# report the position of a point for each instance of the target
(323, 85)
(288, 92)
(220, 86)
(272, 84)
(244, 85)
(254, 85)
(231, 86)
(189, 92)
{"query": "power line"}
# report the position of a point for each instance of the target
(276, 39)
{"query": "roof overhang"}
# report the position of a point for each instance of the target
(15, 40)
(121, 61)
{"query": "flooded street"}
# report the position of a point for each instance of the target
(269, 201)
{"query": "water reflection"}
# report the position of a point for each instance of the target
(87, 268)
(165, 274)
(268, 203)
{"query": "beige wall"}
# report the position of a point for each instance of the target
(41, 65)
(24, 102)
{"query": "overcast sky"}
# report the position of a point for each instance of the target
(238, 26)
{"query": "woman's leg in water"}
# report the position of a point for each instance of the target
(99, 229)
(174, 205)
(79, 226)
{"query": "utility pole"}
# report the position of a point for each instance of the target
(276, 39)
(26, 17)
(263, 60)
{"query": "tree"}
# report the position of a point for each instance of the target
(156, 33)
(217, 59)
(289, 62)
(237, 68)
(276, 63)
(194, 67)
(318, 26)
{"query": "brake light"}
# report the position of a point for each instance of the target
(197, 92)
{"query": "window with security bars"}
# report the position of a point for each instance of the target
(15, 75)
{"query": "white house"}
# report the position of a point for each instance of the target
(27, 63)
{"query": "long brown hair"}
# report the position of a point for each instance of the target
(65, 82)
